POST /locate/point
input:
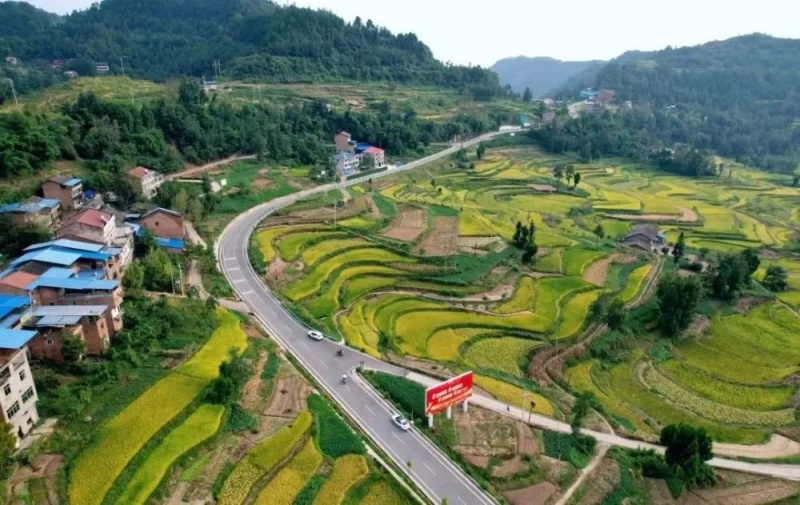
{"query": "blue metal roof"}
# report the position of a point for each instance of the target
(113, 251)
(58, 321)
(35, 206)
(74, 284)
(10, 303)
(95, 274)
(67, 244)
(72, 182)
(53, 256)
(170, 243)
(59, 273)
(360, 148)
(14, 339)
(11, 207)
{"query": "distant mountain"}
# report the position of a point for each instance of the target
(162, 39)
(543, 75)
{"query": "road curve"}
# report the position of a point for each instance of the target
(433, 473)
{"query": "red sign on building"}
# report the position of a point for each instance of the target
(450, 392)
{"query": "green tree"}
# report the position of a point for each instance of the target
(233, 373)
(775, 279)
(688, 449)
(133, 281)
(73, 349)
(569, 172)
(680, 248)
(480, 151)
(8, 443)
(600, 233)
(145, 243)
(731, 274)
(795, 180)
(194, 210)
(584, 403)
(558, 173)
(16, 237)
(527, 95)
(181, 202)
(615, 314)
(677, 300)
(576, 179)
(751, 259)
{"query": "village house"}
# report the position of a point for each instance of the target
(209, 85)
(70, 74)
(644, 237)
(88, 261)
(12, 60)
(346, 163)
(163, 223)
(548, 116)
(43, 211)
(351, 156)
(344, 142)
(100, 227)
(18, 399)
(53, 323)
(372, 157)
(145, 181)
(67, 190)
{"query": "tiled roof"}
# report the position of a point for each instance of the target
(140, 172)
(90, 217)
(14, 339)
(20, 280)
(373, 150)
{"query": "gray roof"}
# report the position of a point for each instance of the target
(68, 310)
(647, 230)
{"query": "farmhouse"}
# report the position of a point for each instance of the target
(351, 156)
(43, 211)
(163, 223)
(53, 323)
(100, 227)
(67, 190)
(18, 401)
(543, 188)
(644, 237)
(146, 181)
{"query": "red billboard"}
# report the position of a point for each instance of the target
(450, 392)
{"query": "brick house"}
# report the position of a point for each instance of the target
(44, 211)
(18, 398)
(87, 322)
(145, 181)
(163, 223)
(99, 227)
(373, 157)
(49, 290)
(343, 142)
(67, 190)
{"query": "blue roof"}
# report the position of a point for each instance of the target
(14, 339)
(59, 273)
(10, 303)
(360, 148)
(96, 274)
(55, 257)
(74, 284)
(170, 243)
(31, 205)
(72, 182)
(67, 244)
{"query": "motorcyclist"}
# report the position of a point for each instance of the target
(340, 352)
(344, 379)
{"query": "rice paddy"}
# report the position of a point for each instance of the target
(457, 293)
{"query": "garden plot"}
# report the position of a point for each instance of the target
(408, 225)
(597, 272)
(443, 239)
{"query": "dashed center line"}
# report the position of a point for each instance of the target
(369, 409)
(429, 468)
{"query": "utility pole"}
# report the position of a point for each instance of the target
(13, 91)
(122, 62)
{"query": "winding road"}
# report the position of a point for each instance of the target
(430, 470)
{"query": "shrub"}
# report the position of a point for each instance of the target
(575, 448)
(310, 491)
(409, 395)
(335, 437)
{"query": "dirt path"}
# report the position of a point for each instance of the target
(687, 216)
(193, 236)
(777, 447)
(251, 396)
(602, 449)
(194, 279)
(208, 166)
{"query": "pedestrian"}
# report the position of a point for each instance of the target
(508, 408)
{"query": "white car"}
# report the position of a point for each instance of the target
(401, 422)
(314, 334)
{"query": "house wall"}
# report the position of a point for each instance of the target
(164, 225)
(15, 380)
(90, 233)
(55, 190)
(95, 335)
(51, 296)
(342, 142)
(49, 343)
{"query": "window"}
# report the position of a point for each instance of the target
(12, 410)
(49, 341)
(7, 389)
(156, 223)
(22, 375)
(27, 395)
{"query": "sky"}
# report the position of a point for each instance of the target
(481, 32)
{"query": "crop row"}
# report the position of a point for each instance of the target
(522, 300)
(347, 471)
(118, 441)
(635, 281)
(712, 410)
(577, 260)
(574, 313)
(287, 484)
(197, 428)
(334, 435)
(290, 245)
(266, 238)
(384, 493)
(328, 301)
(514, 395)
(444, 345)
(499, 353)
(261, 459)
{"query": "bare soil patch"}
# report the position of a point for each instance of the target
(251, 399)
(777, 447)
(275, 268)
(527, 445)
(752, 493)
(659, 492)
(603, 481)
(485, 433)
(478, 245)
(408, 225)
(509, 467)
(289, 397)
(686, 216)
(537, 494)
(45, 466)
(478, 461)
(744, 304)
(443, 239)
(597, 272)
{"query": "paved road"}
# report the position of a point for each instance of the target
(431, 471)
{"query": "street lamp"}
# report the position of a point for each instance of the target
(13, 91)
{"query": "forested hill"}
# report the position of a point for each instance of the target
(159, 39)
(540, 74)
(738, 97)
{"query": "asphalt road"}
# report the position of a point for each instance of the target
(430, 469)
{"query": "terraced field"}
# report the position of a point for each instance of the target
(422, 295)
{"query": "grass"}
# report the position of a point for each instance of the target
(197, 428)
(550, 293)
(384, 205)
(287, 484)
(635, 282)
(522, 300)
(118, 441)
(261, 459)
(347, 471)
(574, 313)
(334, 435)
(576, 260)
(384, 492)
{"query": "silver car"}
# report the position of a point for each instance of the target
(401, 422)
(314, 334)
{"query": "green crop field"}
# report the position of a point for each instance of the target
(458, 293)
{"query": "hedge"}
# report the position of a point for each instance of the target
(335, 437)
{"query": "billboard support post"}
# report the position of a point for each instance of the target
(449, 412)
(430, 421)
(465, 405)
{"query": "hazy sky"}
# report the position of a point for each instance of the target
(481, 32)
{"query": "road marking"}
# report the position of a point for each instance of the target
(239, 281)
(230, 259)
(429, 468)
(248, 292)
(233, 268)
(461, 500)
(369, 409)
(325, 365)
(397, 437)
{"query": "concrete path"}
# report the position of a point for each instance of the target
(194, 237)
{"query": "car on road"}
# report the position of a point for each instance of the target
(401, 422)
(314, 334)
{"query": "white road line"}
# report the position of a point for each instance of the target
(233, 268)
(369, 409)
(248, 292)
(325, 365)
(429, 468)
(239, 281)
(461, 500)
(229, 259)
(397, 437)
